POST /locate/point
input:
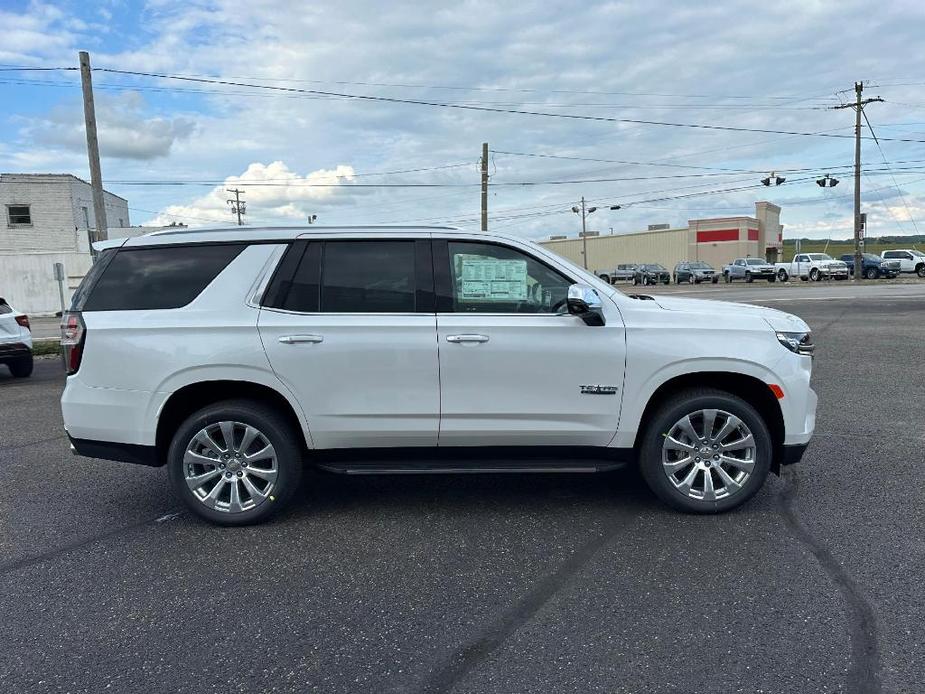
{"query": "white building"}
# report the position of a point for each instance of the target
(48, 219)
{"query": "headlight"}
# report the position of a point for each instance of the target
(800, 343)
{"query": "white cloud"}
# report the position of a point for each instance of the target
(274, 194)
(125, 129)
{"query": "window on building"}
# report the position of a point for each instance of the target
(18, 215)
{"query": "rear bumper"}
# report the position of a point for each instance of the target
(120, 452)
(12, 351)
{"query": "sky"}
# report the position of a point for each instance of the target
(299, 134)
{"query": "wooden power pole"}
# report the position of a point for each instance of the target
(484, 186)
(239, 206)
(93, 148)
(858, 106)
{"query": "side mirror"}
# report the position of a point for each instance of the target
(583, 301)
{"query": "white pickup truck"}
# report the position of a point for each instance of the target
(812, 266)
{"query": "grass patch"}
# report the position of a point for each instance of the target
(46, 347)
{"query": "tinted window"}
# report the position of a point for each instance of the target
(368, 277)
(487, 278)
(155, 278)
(5, 307)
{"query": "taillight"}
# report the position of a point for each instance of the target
(73, 333)
(23, 321)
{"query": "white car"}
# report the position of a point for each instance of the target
(910, 260)
(15, 341)
(233, 355)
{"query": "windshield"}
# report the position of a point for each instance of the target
(868, 256)
(918, 253)
(656, 267)
(755, 261)
(820, 256)
(700, 266)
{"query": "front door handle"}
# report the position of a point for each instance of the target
(295, 339)
(467, 338)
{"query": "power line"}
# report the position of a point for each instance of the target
(895, 184)
(487, 109)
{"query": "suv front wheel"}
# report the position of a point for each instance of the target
(235, 462)
(705, 451)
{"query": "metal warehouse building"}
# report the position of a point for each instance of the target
(715, 241)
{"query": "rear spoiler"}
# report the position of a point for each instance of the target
(108, 243)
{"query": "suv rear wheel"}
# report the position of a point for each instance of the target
(705, 451)
(22, 367)
(235, 462)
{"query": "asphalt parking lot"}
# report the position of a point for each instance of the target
(492, 583)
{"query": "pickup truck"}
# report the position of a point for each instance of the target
(872, 266)
(622, 273)
(910, 260)
(749, 269)
(812, 266)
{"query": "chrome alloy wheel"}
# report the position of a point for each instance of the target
(230, 466)
(709, 454)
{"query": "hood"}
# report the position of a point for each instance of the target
(778, 320)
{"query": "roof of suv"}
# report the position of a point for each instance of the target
(270, 233)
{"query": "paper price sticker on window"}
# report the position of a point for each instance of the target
(493, 280)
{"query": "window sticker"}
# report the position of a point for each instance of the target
(490, 279)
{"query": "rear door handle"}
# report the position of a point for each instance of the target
(467, 338)
(295, 339)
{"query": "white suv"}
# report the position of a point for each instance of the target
(910, 260)
(232, 356)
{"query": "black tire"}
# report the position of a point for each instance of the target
(748, 277)
(727, 278)
(814, 275)
(782, 275)
(605, 278)
(772, 278)
(872, 273)
(671, 411)
(286, 441)
(635, 280)
(715, 279)
(920, 270)
(667, 280)
(22, 367)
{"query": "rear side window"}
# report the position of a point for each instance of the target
(368, 277)
(156, 278)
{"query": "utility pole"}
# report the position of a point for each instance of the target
(584, 212)
(858, 106)
(484, 186)
(238, 206)
(93, 148)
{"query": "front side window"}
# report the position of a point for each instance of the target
(18, 215)
(740, 262)
(488, 278)
(368, 277)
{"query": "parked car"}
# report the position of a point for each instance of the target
(910, 260)
(651, 273)
(812, 266)
(15, 341)
(694, 272)
(872, 266)
(622, 273)
(749, 269)
(234, 356)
